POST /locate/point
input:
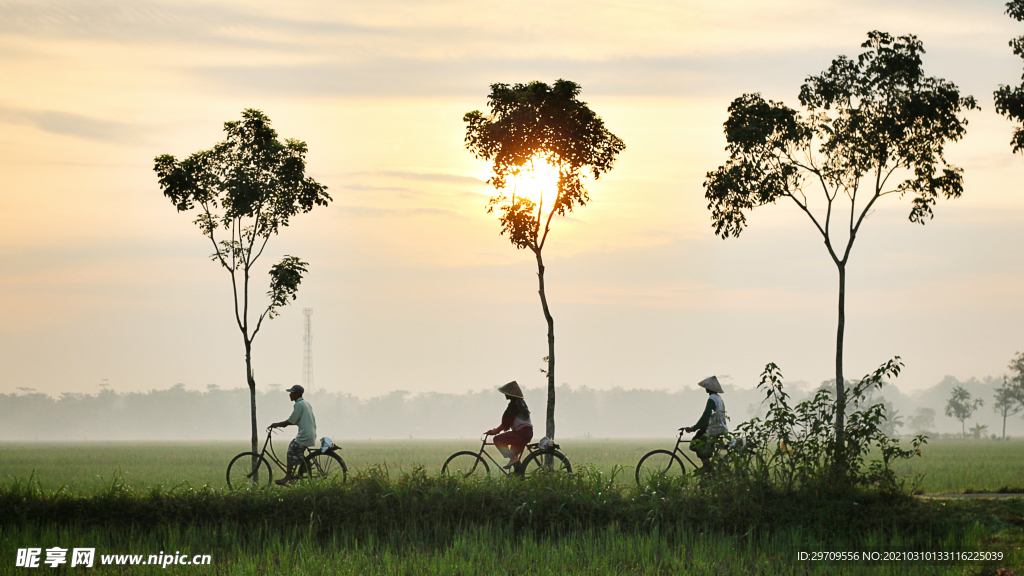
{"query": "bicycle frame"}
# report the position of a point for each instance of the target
(530, 449)
(273, 455)
(679, 452)
(483, 452)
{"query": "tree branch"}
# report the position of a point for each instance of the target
(245, 289)
(863, 214)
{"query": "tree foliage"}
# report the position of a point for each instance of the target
(1017, 370)
(923, 419)
(531, 124)
(1010, 100)
(961, 405)
(870, 127)
(866, 119)
(246, 189)
(1010, 396)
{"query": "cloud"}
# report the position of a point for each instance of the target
(406, 77)
(417, 49)
(66, 123)
(157, 21)
(372, 212)
(449, 178)
(368, 188)
(413, 176)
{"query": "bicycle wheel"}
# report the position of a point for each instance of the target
(536, 463)
(465, 465)
(323, 466)
(243, 473)
(658, 464)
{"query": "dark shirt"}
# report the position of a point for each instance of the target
(509, 418)
(705, 418)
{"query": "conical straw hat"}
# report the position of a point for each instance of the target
(512, 389)
(711, 384)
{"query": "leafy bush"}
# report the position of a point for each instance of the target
(795, 446)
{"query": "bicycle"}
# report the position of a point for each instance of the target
(466, 464)
(253, 469)
(663, 463)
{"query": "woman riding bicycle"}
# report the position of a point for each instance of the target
(516, 420)
(711, 424)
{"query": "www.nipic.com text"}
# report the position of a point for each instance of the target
(86, 557)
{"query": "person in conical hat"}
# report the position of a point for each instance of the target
(516, 420)
(712, 423)
(511, 389)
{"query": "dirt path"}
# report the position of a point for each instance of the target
(967, 496)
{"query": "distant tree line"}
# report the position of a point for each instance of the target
(1009, 400)
(178, 413)
(181, 414)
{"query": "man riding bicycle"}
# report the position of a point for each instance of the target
(302, 416)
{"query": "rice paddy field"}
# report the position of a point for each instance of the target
(947, 467)
(144, 505)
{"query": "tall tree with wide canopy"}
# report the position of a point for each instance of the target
(530, 125)
(247, 188)
(872, 126)
(1010, 100)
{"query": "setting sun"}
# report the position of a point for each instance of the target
(537, 180)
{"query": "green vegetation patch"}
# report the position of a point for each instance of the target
(374, 502)
(585, 523)
(947, 466)
(493, 549)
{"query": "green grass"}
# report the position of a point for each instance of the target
(384, 522)
(952, 466)
(395, 516)
(492, 550)
(948, 466)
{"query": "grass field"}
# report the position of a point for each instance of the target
(948, 467)
(496, 551)
(142, 499)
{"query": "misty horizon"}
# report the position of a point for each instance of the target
(179, 413)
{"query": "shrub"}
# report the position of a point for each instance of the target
(795, 446)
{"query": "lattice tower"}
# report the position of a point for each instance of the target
(307, 354)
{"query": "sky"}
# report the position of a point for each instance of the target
(104, 284)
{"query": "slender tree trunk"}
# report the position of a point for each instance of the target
(840, 449)
(550, 425)
(1004, 425)
(251, 380)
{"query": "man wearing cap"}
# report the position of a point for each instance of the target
(302, 416)
(516, 420)
(711, 424)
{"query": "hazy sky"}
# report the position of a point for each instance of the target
(411, 285)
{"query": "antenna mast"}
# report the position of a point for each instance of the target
(307, 355)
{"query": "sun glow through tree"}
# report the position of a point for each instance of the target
(537, 180)
(540, 141)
